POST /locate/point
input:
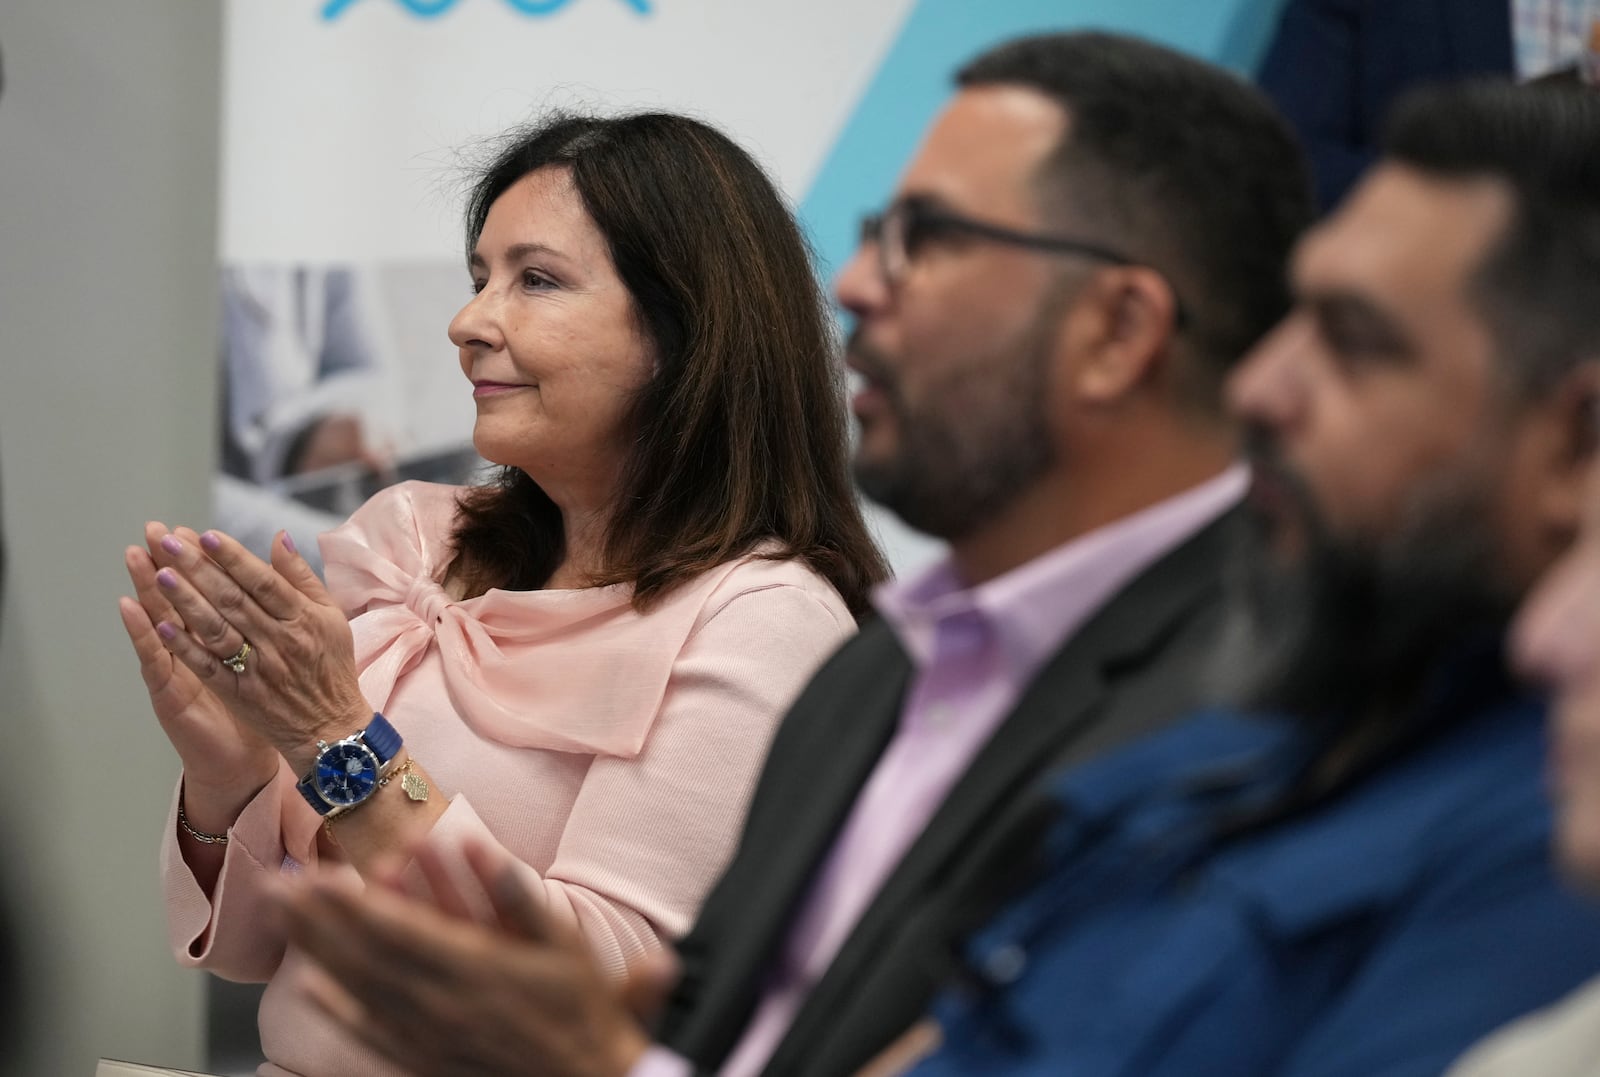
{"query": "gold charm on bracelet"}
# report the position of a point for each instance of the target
(412, 783)
(414, 786)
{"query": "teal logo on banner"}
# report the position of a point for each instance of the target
(432, 9)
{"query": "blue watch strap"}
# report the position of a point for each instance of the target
(318, 805)
(383, 738)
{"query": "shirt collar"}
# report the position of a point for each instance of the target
(1033, 608)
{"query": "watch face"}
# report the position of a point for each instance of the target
(346, 773)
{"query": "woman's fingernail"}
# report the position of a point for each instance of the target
(167, 631)
(171, 544)
(167, 578)
(210, 541)
(288, 544)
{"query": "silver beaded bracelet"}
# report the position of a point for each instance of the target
(199, 835)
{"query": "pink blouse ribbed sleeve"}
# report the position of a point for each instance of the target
(229, 933)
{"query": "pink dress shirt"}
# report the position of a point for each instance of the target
(975, 651)
(610, 752)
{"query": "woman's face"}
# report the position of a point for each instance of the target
(551, 343)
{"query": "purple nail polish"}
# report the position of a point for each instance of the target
(171, 544)
(288, 544)
(210, 541)
(167, 631)
(167, 578)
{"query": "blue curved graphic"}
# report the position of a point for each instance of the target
(550, 7)
(937, 35)
(422, 9)
(432, 9)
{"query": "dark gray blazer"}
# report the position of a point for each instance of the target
(1133, 667)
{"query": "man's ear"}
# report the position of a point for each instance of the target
(1130, 315)
(1574, 424)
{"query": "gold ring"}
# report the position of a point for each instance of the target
(235, 661)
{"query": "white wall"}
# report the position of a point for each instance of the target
(108, 181)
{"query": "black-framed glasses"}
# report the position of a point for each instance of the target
(907, 225)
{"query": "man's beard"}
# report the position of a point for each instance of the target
(981, 437)
(1355, 627)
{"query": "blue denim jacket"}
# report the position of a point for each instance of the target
(1378, 935)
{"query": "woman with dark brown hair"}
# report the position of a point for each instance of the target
(583, 661)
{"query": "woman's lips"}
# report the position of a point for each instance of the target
(494, 388)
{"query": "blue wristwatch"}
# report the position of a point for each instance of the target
(346, 772)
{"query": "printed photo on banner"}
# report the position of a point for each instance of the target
(336, 380)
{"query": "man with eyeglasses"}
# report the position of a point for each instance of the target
(1093, 231)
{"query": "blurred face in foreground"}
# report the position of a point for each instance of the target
(1557, 641)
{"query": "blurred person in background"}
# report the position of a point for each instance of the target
(306, 386)
(1557, 643)
(1336, 67)
(581, 664)
(306, 381)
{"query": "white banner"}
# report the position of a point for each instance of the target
(350, 126)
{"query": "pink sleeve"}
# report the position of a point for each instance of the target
(648, 836)
(228, 933)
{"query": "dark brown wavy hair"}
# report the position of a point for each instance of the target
(740, 437)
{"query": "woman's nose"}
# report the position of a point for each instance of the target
(475, 325)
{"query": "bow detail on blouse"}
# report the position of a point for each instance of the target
(571, 671)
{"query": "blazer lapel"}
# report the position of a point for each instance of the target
(1062, 707)
(812, 792)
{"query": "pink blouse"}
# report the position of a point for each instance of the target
(610, 752)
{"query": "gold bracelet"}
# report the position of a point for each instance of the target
(198, 835)
(413, 784)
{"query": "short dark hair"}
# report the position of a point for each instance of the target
(1179, 163)
(741, 435)
(1539, 286)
